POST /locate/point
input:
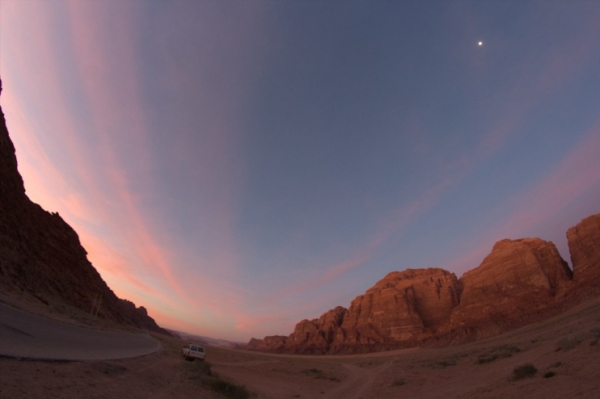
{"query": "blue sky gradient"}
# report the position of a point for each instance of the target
(239, 166)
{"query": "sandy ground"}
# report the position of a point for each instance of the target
(565, 351)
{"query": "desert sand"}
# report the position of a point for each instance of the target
(564, 350)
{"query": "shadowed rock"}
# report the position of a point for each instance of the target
(41, 255)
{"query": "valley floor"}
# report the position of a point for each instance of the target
(564, 352)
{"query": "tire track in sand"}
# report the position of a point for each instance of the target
(358, 382)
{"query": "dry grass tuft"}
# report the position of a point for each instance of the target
(499, 352)
(202, 373)
(525, 371)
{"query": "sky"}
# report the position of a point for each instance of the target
(238, 166)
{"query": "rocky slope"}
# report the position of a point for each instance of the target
(519, 282)
(41, 255)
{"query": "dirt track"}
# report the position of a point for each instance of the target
(565, 351)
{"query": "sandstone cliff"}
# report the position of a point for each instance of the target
(315, 336)
(584, 245)
(516, 284)
(41, 255)
(519, 282)
(398, 311)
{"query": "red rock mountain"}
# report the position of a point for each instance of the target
(584, 245)
(519, 282)
(516, 284)
(40, 254)
(398, 311)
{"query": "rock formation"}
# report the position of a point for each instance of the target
(584, 245)
(519, 282)
(315, 336)
(41, 255)
(398, 311)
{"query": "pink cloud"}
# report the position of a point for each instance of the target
(138, 265)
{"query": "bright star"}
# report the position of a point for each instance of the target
(480, 44)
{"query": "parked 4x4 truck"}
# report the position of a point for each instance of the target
(192, 352)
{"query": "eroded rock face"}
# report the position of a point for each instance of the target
(41, 255)
(515, 284)
(519, 282)
(398, 311)
(315, 336)
(584, 245)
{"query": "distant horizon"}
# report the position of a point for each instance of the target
(236, 168)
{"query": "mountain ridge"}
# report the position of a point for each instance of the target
(520, 282)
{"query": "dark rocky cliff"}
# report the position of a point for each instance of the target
(41, 254)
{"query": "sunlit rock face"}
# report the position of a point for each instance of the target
(517, 283)
(41, 256)
(315, 336)
(398, 311)
(520, 282)
(584, 245)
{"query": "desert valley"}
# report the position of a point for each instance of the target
(522, 324)
(281, 199)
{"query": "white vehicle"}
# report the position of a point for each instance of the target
(192, 352)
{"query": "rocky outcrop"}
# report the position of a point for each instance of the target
(584, 245)
(398, 311)
(41, 255)
(517, 283)
(315, 336)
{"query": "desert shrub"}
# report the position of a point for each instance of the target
(201, 372)
(549, 374)
(525, 371)
(445, 363)
(319, 375)
(500, 352)
(399, 382)
(316, 373)
(596, 335)
(227, 389)
(568, 343)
